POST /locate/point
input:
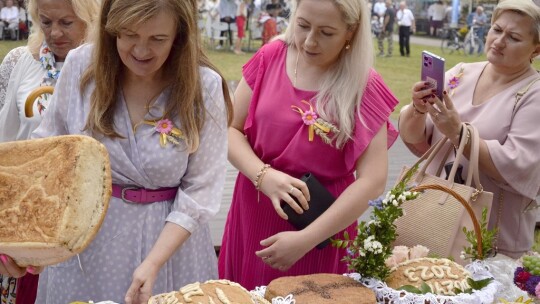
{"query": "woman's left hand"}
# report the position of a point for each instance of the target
(283, 249)
(140, 290)
(445, 117)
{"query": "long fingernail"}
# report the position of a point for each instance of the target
(3, 258)
(31, 269)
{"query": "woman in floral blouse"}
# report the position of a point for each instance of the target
(58, 27)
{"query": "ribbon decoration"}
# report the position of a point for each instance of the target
(316, 125)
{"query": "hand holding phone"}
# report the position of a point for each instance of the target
(433, 71)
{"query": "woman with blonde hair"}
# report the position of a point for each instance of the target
(59, 26)
(149, 94)
(500, 97)
(333, 122)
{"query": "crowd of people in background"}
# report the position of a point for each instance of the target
(145, 88)
(393, 16)
(14, 20)
(263, 19)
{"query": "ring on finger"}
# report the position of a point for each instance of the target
(291, 190)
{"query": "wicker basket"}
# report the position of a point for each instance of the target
(386, 294)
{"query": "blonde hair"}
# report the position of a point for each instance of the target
(340, 95)
(522, 7)
(86, 10)
(182, 65)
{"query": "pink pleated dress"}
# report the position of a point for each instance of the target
(279, 137)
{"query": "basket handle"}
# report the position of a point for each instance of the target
(29, 104)
(465, 204)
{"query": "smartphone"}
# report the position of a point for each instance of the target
(433, 71)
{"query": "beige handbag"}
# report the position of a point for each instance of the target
(436, 219)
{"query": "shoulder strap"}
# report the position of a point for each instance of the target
(522, 92)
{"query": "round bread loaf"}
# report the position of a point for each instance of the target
(320, 288)
(210, 292)
(442, 275)
(54, 193)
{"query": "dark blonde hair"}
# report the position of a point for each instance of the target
(86, 10)
(183, 64)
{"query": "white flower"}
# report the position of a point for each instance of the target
(462, 255)
(395, 203)
(418, 251)
(376, 223)
(384, 201)
(402, 198)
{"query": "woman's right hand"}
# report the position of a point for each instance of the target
(422, 92)
(279, 186)
(9, 268)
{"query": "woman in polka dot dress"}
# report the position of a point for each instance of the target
(146, 91)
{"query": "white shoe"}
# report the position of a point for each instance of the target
(219, 47)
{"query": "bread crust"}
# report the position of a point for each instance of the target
(321, 288)
(54, 194)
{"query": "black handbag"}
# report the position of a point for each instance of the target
(321, 200)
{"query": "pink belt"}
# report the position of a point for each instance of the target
(135, 195)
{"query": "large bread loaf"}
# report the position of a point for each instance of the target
(54, 193)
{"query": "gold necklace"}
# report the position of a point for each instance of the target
(147, 107)
(296, 67)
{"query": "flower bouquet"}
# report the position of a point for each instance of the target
(370, 254)
(527, 278)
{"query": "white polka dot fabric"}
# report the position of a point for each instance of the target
(103, 271)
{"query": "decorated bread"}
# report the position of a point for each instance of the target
(209, 292)
(441, 275)
(54, 193)
(321, 289)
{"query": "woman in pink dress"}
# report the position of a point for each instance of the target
(485, 95)
(317, 75)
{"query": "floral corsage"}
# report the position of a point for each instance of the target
(167, 131)
(454, 81)
(316, 124)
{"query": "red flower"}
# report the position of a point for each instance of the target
(522, 277)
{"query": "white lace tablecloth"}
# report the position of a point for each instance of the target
(502, 287)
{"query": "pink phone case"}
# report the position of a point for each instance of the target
(433, 71)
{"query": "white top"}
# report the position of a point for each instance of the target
(227, 8)
(241, 9)
(20, 74)
(379, 8)
(405, 17)
(437, 11)
(10, 14)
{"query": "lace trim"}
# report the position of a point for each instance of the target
(478, 269)
(7, 66)
(384, 294)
